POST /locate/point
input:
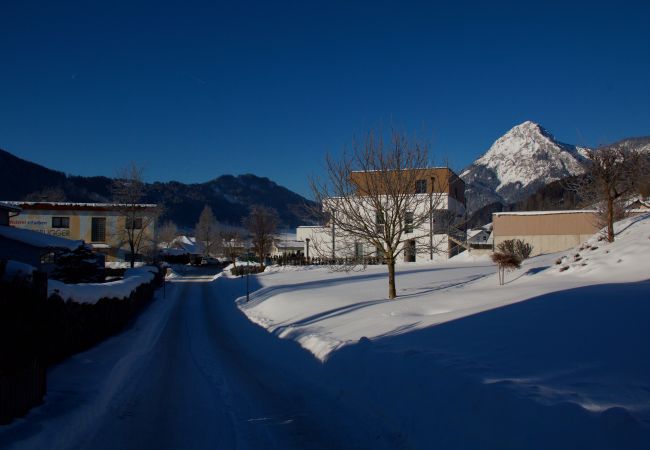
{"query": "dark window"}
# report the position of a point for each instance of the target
(358, 249)
(133, 223)
(60, 222)
(409, 251)
(98, 231)
(408, 222)
(380, 222)
(441, 221)
(420, 186)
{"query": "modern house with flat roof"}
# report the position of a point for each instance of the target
(438, 187)
(102, 225)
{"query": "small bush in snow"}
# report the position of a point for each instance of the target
(516, 247)
(505, 261)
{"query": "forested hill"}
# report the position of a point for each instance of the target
(229, 196)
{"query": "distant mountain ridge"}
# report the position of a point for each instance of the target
(229, 196)
(522, 161)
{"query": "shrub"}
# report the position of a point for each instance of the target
(78, 266)
(516, 247)
(505, 261)
(242, 270)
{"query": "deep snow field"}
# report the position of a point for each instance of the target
(557, 358)
(565, 343)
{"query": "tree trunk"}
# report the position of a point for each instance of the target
(610, 219)
(392, 292)
(132, 256)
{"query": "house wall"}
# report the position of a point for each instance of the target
(320, 244)
(81, 228)
(547, 232)
(445, 181)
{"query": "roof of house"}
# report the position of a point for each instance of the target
(76, 205)
(37, 239)
(9, 207)
(541, 213)
(292, 243)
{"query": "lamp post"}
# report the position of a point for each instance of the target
(333, 238)
(248, 271)
(431, 220)
(307, 241)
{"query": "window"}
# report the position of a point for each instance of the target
(60, 222)
(380, 222)
(133, 223)
(408, 222)
(420, 186)
(358, 250)
(98, 229)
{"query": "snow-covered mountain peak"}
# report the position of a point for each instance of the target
(526, 157)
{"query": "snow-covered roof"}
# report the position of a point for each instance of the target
(75, 205)
(289, 243)
(541, 213)
(9, 207)
(188, 244)
(36, 239)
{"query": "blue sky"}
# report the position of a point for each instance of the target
(194, 90)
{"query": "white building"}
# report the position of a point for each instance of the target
(431, 239)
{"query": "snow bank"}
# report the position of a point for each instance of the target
(93, 292)
(16, 269)
(625, 259)
(553, 359)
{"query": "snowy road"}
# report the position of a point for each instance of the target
(187, 376)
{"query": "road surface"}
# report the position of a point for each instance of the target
(192, 373)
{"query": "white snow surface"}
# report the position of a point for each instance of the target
(93, 292)
(324, 310)
(37, 239)
(551, 360)
(327, 311)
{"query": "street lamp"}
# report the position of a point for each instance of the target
(431, 219)
(248, 270)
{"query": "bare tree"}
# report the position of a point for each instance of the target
(262, 223)
(612, 175)
(128, 191)
(167, 232)
(379, 193)
(207, 231)
(232, 244)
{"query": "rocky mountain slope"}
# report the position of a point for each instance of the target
(524, 160)
(229, 196)
(517, 164)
